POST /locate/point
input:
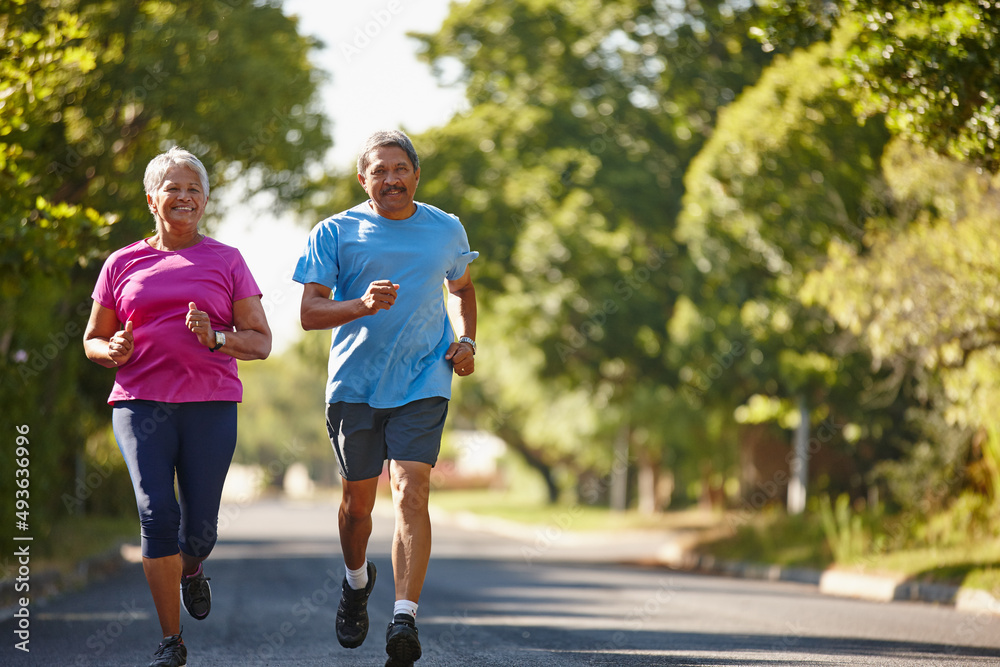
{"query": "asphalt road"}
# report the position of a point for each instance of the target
(546, 597)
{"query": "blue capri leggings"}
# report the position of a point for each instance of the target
(195, 440)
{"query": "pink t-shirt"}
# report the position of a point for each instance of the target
(152, 288)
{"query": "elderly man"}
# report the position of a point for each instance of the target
(391, 359)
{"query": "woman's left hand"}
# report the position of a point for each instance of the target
(199, 323)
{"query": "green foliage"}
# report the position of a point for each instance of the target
(927, 66)
(773, 537)
(930, 67)
(785, 26)
(922, 287)
(971, 516)
(930, 469)
(847, 535)
(921, 293)
(43, 243)
(785, 176)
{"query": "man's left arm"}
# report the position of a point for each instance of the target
(462, 306)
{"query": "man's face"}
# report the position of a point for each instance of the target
(391, 182)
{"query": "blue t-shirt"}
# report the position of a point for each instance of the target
(395, 356)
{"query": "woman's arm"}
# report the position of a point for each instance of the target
(252, 338)
(103, 342)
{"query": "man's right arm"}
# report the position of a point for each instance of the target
(319, 311)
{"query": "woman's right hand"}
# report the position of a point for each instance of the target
(121, 345)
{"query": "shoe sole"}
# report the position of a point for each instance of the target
(403, 650)
(352, 643)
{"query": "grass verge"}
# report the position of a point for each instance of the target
(534, 511)
(73, 539)
(771, 538)
(975, 564)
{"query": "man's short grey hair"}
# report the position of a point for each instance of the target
(386, 138)
(156, 170)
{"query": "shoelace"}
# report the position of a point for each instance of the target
(195, 578)
(172, 645)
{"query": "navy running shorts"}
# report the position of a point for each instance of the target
(364, 437)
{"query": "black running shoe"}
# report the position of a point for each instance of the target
(196, 594)
(352, 612)
(401, 641)
(171, 653)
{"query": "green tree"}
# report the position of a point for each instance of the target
(42, 242)
(922, 290)
(916, 292)
(928, 67)
(787, 173)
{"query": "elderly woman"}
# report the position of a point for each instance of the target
(172, 313)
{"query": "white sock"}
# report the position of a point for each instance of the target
(357, 579)
(405, 607)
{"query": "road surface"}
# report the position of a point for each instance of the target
(546, 597)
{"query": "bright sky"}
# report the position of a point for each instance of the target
(376, 82)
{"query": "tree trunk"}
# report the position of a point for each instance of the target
(515, 442)
(647, 485)
(619, 471)
(800, 463)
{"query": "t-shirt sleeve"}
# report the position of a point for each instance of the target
(318, 263)
(463, 257)
(104, 293)
(244, 286)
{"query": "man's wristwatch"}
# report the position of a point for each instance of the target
(466, 339)
(220, 340)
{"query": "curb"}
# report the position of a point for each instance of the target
(48, 583)
(708, 564)
(840, 583)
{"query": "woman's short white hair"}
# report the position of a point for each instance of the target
(158, 167)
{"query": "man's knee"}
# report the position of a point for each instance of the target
(411, 486)
(355, 511)
(358, 500)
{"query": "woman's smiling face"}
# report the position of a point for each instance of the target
(180, 200)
